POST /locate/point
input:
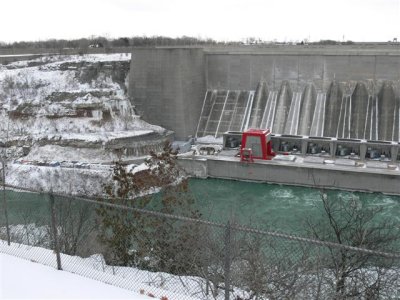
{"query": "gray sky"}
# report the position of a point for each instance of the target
(284, 20)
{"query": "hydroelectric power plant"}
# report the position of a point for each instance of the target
(333, 110)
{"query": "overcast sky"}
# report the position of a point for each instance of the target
(284, 20)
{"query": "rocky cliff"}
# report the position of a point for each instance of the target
(76, 101)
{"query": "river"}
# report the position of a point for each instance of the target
(269, 206)
(279, 207)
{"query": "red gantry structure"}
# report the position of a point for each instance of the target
(256, 144)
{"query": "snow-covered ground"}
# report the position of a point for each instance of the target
(25, 279)
(135, 281)
(58, 59)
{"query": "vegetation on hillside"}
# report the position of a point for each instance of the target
(137, 239)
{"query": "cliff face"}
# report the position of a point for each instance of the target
(54, 97)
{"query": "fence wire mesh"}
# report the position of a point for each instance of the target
(176, 257)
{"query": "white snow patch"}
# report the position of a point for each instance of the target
(21, 278)
(132, 279)
(209, 139)
(102, 137)
(56, 59)
(59, 153)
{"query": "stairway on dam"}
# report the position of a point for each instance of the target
(358, 110)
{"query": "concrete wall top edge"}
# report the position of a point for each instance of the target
(358, 50)
(305, 53)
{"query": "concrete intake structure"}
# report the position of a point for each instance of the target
(333, 91)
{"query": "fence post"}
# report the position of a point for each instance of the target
(54, 230)
(227, 260)
(5, 202)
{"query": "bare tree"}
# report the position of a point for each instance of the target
(356, 274)
(75, 224)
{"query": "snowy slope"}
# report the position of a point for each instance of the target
(21, 278)
(70, 108)
(133, 280)
(64, 95)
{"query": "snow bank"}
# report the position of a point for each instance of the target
(94, 267)
(55, 60)
(29, 280)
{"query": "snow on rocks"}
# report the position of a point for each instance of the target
(69, 108)
(52, 98)
(72, 181)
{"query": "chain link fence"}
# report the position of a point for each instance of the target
(180, 257)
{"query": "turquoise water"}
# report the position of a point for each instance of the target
(269, 206)
(284, 208)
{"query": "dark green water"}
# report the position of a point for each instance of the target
(25, 208)
(283, 208)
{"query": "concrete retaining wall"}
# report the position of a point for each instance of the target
(244, 71)
(168, 86)
(302, 175)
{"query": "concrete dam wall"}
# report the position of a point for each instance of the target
(339, 91)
